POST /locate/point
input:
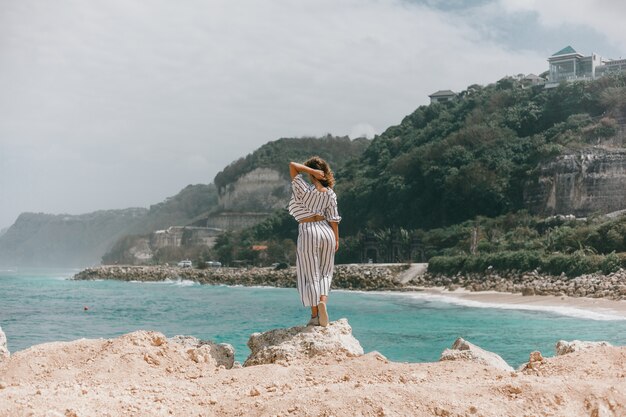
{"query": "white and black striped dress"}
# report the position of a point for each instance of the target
(315, 257)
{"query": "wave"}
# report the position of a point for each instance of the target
(167, 281)
(577, 312)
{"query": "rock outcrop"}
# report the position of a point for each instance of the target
(589, 181)
(464, 350)
(4, 351)
(266, 189)
(303, 342)
(563, 347)
(205, 351)
(535, 361)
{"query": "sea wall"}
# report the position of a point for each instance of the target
(350, 276)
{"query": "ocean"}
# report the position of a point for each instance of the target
(43, 305)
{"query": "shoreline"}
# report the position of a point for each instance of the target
(515, 301)
(391, 279)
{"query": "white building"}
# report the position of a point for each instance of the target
(569, 65)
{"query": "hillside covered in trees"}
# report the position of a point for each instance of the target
(450, 179)
(39, 239)
(277, 155)
(449, 162)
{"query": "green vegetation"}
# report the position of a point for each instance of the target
(190, 204)
(277, 155)
(447, 184)
(38, 239)
(450, 162)
(571, 265)
(278, 234)
(518, 241)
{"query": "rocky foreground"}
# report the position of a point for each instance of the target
(303, 371)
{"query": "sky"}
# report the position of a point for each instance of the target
(108, 104)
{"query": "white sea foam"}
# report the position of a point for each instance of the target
(596, 314)
(167, 281)
(184, 283)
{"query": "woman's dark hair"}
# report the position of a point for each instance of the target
(316, 162)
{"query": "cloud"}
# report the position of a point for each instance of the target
(362, 130)
(106, 102)
(604, 16)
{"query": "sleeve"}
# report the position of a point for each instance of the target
(331, 213)
(299, 187)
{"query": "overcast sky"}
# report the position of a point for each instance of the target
(120, 103)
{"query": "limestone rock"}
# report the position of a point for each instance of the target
(4, 351)
(302, 342)
(203, 351)
(534, 361)
(535, 356)
(563, 347)
(464, 350)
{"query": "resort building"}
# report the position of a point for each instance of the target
(442, 96)
(570, 65)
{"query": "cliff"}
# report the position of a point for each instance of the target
(39, 239)
(589, 181)
(264, 188)
(250, 199)
(251, 188)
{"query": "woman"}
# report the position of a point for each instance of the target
(314, 206)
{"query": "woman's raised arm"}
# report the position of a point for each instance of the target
(295, 168)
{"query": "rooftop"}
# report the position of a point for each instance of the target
(441, 93)
(565, 51)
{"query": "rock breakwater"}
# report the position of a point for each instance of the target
(611, 286)
(372, 277)
(349, 276)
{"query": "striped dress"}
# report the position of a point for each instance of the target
(315, 256)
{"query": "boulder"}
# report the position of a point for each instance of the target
(464, 350)
(302, 343)
(563, 347)
(205, 351)
(4, 351)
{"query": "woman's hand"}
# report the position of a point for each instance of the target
(318, 174)
(337, 245)
(295, 168)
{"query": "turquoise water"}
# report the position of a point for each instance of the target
(39, 306)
